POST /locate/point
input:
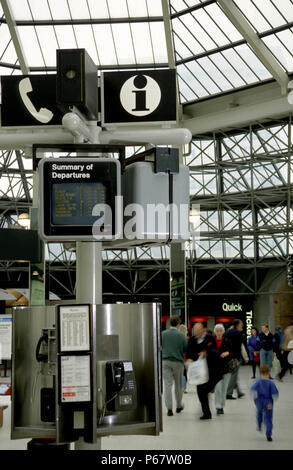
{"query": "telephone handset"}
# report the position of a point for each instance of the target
(115, 377)
(41, 357)
(44, 115)
(120, 386)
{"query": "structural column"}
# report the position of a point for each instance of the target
(178, 281)
(89, 267)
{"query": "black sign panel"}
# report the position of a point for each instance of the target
(29, 100)
(144, 96)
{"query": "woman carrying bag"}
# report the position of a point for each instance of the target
(202, 345)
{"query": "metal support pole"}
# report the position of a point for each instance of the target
(89, 290)
(89, 272)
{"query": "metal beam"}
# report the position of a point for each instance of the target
(168, 34)
(14, 36)
(235, 110)
(87, 21)
(258, 46)
(23, 175)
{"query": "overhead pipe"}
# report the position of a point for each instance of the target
(177, 136)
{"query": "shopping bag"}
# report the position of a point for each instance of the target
(276, 366)
(198, 372)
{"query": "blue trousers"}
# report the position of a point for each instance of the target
(266, 357)
(264, 412)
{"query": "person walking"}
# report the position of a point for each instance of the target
(174, 346)
(266, 343)
(203, 344)
(264, 393)
(183, 329)
(279, 335)
(286, 347)
(236, 336)
(252, 346)
(224, 348)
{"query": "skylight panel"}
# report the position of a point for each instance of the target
(199, 32)
(243, 68)
(201, 70)
(30, 46)
(48, 43)
(228, 70)
(285, 8)
(18, 13)
(192, 82)
(159, 42)
(123, 43)
(105, 44)
(65, 36)
(209, 64)
(98, 9)
(250, 58)
(142, 43)
(5, 71)
(262, 14)
(59, 9)
(39, 9)
(181, 49)
(79, 10)
(154, 8)
(270, 12)
(186, 93)
(85, 40)
(9, 55)
(211, 27)
(188, 38)
(281, 46)
(253, 15)
(118, 9)
(177, 5)
(5, 38)
(223, 22)
(137, 8)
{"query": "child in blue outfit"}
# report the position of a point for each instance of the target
(264, 392)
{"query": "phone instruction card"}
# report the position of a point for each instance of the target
(75, 379)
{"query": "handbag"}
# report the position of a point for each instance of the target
(230, 364)
(198, 372)
(256, 357)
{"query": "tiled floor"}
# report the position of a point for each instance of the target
(236, 429)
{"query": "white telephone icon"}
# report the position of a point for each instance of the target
(44, 115)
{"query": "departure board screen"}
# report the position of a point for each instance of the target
(78, 198)
(72, 203)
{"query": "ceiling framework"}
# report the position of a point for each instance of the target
(243, 185)
(233, 62)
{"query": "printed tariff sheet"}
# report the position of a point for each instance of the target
(74, 328)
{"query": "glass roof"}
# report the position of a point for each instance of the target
(211, 55)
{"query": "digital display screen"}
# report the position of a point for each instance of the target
(72, 203)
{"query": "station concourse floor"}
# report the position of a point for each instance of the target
(235, 430)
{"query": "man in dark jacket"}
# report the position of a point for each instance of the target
(203, 344)
(236, 336)
(266, 342)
